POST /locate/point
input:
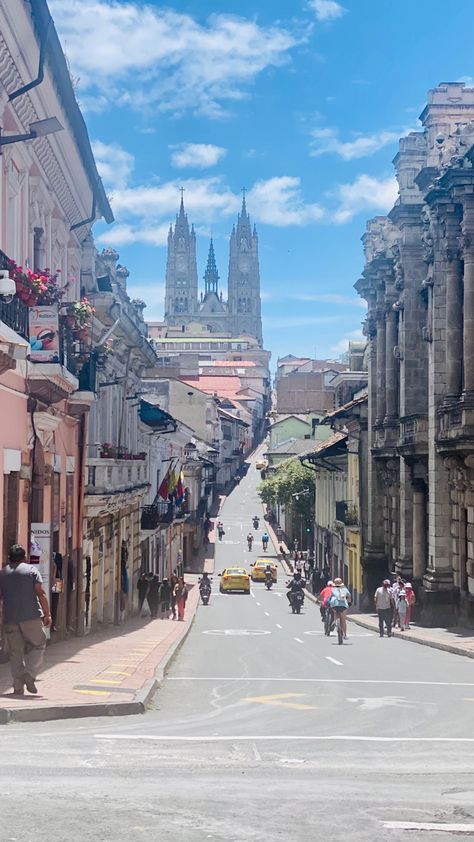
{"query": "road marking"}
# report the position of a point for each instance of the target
(298, 639)
(321, 680)
(236, 632)
(333, 661)
(252, 593)
(280, 595)
(266, 613)
(375, 703)
(278, 626)
(441, 828)
(258, 604)
(216, 738)
(280, 700)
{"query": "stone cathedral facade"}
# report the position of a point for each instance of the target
(240, 313)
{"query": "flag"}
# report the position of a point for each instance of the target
(180, 489)
(172, 482)
(163, 489)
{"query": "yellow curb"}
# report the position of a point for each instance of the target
(94, 692)
(117, 672)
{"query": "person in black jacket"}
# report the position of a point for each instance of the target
(153, 595)
(142, 588)
(165, 595)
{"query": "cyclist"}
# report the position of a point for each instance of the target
(265, 540)
(323, 598)
(339, 601)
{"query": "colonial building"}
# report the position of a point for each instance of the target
(418, 282)
(240, 314)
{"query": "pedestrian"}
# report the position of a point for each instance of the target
(402, 608)
(395, 590)
(142, 588)
(181, 595)
(307, 569)
(25, 613)
(316, 582)
(326, 574)
(282, 552)
(164, 598)
(153, 595)
(220, 530)
(173, 583)
(384, 607)
(411, 600)
(298, 562)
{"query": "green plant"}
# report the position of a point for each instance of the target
(35, 287)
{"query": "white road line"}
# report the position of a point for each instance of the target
(298, 639)
(216, 738)
(258, 604)
(333, 661)
(252, 593)
(280, 595)
(321, 680)
(266, 613)
(278, 626)
(442, 828)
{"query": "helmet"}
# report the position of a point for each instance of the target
(330, 584)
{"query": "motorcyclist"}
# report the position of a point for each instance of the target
(268, 574)
(265, 540)
(250, 540)
(256, 521)
(205, 582)
(297, 583)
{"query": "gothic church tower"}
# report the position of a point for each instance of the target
(243, 306)
(181, 296)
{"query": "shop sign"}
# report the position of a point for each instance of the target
(40, 551)
(44, 334)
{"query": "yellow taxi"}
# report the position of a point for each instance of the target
(234, 579)
(259, 567)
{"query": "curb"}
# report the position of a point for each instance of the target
(138, 705)
(445, 647)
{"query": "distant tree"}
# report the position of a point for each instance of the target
(293, 485)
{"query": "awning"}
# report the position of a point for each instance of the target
(12, 343)
(153, 416)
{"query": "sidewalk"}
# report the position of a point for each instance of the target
(459, 641)
(114, 672)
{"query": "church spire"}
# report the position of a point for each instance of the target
(244, 204)
(211, 275)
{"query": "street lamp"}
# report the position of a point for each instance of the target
(38, 129)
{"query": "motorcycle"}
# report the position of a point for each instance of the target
(268, 580)
(296, 601)
(255, 522)
(205, 592)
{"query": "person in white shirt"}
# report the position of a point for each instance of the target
(383, 601)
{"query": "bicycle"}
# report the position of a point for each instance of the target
(340, 633)
(329, 623)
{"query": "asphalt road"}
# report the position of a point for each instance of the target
(264, 730)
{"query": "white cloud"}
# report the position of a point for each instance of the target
(365, 193)
(126, 235)
(149, 57)
(279, 201)
(327, 9)
(198, 155)
(114, 163)
(342, 345)
(153, 295)
(328, 141)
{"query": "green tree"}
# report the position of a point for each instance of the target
(286, 484)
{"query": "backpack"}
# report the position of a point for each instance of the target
(339, 599)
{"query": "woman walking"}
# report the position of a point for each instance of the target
(411, 599)
(181, 595)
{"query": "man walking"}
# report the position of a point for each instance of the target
(384, 607)
(25, 612)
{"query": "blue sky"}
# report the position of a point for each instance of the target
(300, 101)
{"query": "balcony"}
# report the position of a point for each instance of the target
(156, 514)
(413, 435)
(112, 484)
(348, 515)
(15, 315)
(456, 428)
(82, 400)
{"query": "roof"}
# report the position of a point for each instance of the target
(292, 446)
(322, 448)
(345, 408)
(303, 417)
(222, 386)
(231, 417)
(228, 363)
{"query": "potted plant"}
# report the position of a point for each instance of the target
(108, 451)
(37, 288)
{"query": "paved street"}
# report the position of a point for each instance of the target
(263, 730)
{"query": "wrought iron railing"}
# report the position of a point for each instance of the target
(15, 315)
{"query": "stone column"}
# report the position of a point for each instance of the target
(454, 305)
(419, 531)
(468, 325)
(391, 364)
(381, 365)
